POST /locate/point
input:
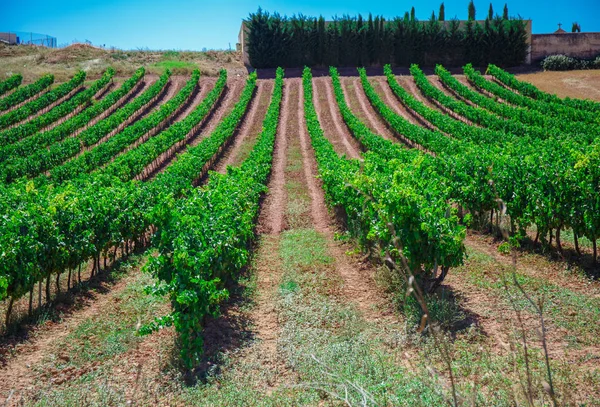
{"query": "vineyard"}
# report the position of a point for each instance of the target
(424, 238)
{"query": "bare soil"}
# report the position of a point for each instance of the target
(17, 369)
(329, 116)
(358, 284)
(250, 128)
(574, 84)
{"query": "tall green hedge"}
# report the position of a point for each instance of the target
(275, 40)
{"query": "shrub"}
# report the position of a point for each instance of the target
(565, 63)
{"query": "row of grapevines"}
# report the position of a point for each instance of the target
(431, 140)
(26, 146)
(134, 161)
(554, 126)
(105, 152)
(29, 157)
(476, 115)
(521, 173)
(531, 91)
(441, 120)
(94, 134)
(45, 159)
(25, 92)
(549, 108)
(37, 124)
(204, 240)
(53, 228)
(41, 102)
(10, 83)
(181, 174)
(393, 186)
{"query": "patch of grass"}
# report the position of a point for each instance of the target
(298, 199)
(113, 332)
(565, 308)
(171, 54)
(333, 350)
(176, 67)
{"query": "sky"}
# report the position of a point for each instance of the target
(199, 24)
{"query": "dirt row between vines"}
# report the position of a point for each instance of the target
(249, 129)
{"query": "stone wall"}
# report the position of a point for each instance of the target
(578, 45)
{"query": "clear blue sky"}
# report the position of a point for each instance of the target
(193, 25)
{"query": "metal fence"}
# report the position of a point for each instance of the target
(30, 38)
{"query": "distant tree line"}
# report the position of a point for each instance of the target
(274, 40)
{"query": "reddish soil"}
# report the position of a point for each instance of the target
(177, 84)
(98, 96)
(382, 88)
(250, 127)
(331, 120)
(140, 113)
(555, 272)
(164, 159)
(232, 95)
(411, 86)
(365, 109)
(498, 321)
(17, 370)
(204, 86)
(222, 107)
(132, 94)
(271, 219)
(358, 284)
(267, 267)
(463, 79)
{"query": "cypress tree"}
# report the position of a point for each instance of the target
(442, 13)
(505, 13)
(471, 11)
(321, 41)
(412, 13)
(372, 39)
(491, 12)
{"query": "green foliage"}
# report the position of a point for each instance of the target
(297, 41)
(10, 83)
(204, 240)
(504, 248)
(565, 63)
(41, 102)
(442, 12)
(29, 158)
(471, 11)
(25, 92)
(38, 123)
(516, 165)
(539, 119)
(393, 186)
(56, 227)
(554, 109)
